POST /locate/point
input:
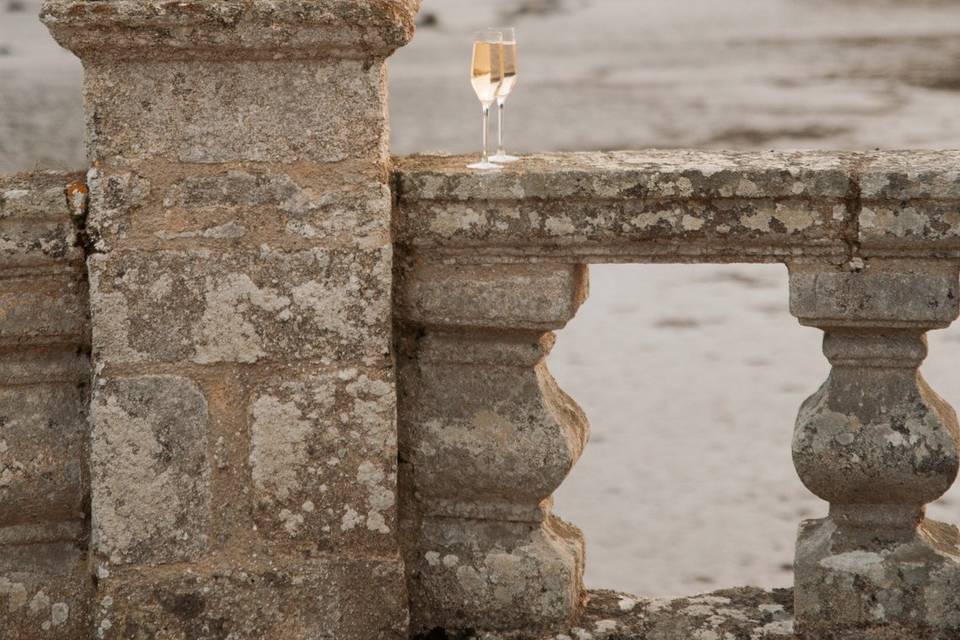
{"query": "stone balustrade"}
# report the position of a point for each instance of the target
(491, 261)
(259, 381)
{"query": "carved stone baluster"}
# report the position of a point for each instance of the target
(486, 437)
(878, 444)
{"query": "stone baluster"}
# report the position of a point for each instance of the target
(486, 437)
(45, 588)
(878, 444)
(243, 448)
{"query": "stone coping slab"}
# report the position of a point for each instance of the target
(241, 29)
(736, 614)
(683, 206)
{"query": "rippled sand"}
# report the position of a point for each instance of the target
(691, 376)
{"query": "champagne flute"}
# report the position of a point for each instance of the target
(486, 75)
(509, 81)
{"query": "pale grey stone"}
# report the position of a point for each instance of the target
(150, 470)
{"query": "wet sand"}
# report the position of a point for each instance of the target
(691, 375)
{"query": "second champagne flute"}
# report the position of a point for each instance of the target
(509, 81)
(486, 75)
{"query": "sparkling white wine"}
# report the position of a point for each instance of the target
(487, 72)
(509, 57)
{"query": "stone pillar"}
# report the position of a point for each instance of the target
(878, 444)
(486, 436)
(243, 450)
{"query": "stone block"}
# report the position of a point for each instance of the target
(36, 225)
(685, 206)
(323, 458)
(43, 438)
(150, 469)
(496, 575)
(852, 584)
(298, 206)
(289, 599)
(39, 195)
(649, 174)
(910, 175)
(43, 309)
(914, 295)
(256, 29)
(45, 592)
(281, 111)
(207, 307)
(519, 297)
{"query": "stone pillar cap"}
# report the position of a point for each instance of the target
(225, 29)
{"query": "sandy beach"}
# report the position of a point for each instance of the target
(691, 375)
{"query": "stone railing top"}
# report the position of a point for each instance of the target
(675, 205)
(248, 29)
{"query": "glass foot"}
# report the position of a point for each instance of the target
(484, 166)
(503, 158)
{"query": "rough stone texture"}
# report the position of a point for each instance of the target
(324, 461)
(150, 471)
(626, 206)
(42, 440)
(683, 206)
(733, 614)
(523, 297)
(911, 201)
(208, 307)
(45, 589)
(153, 111)
(878, 444)
(227, 28)
(221, 208)
(44, 586)
(244, 441)
(255, 599)
(487, 436)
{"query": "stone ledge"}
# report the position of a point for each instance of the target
(36, 218)
(248, 29)
(683, 206)
(734, 614)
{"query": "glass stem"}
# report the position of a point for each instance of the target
(500, 150)
(486, 118)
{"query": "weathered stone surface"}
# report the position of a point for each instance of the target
(733, 614)
(887, 295)
(533, 297)
(207, 307)
(44, 585)
(43, 434)
(320, 598)
(150, 470)
(209, 29)
(45, 592)
(40, 309)
(324, 459)
(221, 208)
(240, 265)
(684, 206)
(494, 573)
(878, 444)
(36, 226)
(487, 436)
(473, 430)
(627, 175)
(655, 205)
(228, 111)
(871, 585)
